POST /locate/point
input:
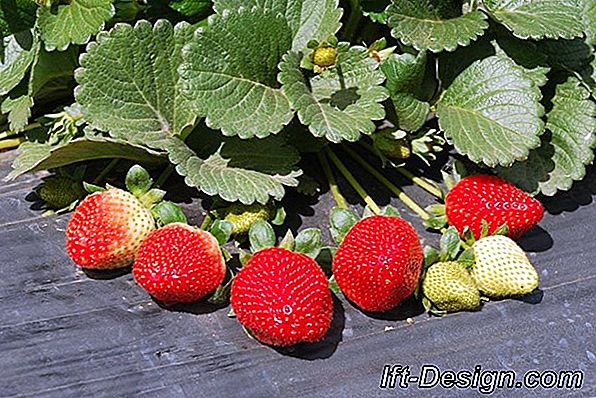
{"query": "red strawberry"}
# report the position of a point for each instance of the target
(179, 263)
(106, 229)
(282, 297)
(378, 263)
(490, 198)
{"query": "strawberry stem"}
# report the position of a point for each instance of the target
(355, 184)
(11, 143)
(333, 187)
(163, 177)
(353, 19)
(100, 177)
(421, 182)
(206, 221)
(398, 192)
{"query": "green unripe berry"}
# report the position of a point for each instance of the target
(243, 217)
(392, 148)
(60, 192)
(325, 56)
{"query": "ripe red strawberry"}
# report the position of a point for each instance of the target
(282, 297)
(106, 230)
(378, 263)
(179, 263)
(490, 198)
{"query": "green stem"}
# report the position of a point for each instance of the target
(355, 184)
(398, 192)
(333, 187)
(11, 143)
(353, 19)
(206, 221)
(105, 171)
(421, 182)
(163, 177)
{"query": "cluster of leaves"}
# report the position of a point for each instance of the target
(222, 90)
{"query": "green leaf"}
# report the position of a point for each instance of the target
(589, 16)
(49, 67)
(434, 25)
(19, 112)
(491, 112)
(229, 73)
(562, 159)
(19, 53)
(450, 244)
(167, 212)
(261, 236)
(341, 103)
(307, 19)
(245, 171)
(574, 55)
(222, 231)
(74, 22)
(288, 241)
(16, 16)
(526, 54)
(128, 81)
(42, 156)
(309, 242)
(191, 8)
(405, 76)
(431, 256)
(341, 220)
(538, 19)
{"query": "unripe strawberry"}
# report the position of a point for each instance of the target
(378, 263)
(502, 269)
(106, 229)
(243, 217)
(449, 287)
(60, 192)
(282, 298)
(325, 56)
(179, 263)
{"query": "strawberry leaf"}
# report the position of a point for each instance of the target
(341, 103)
(19, 52)
(538, 19)
(405, 77)
(589, 16)
(229, 72)
(566, 150)
(16, 16)
(433, 25)
(246, 171)
(307, 19)
(18, 110)
(128, 81)
(491, 112)
(42, 156)
(74, 22)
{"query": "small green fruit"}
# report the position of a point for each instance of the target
(243, 217)
(325, 56)
(502, 268)
(391, 147)
(449, 287)
(60, 192)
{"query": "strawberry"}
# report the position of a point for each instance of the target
(325, 56)
(282, 298)
(378, 263)
(60, 192)
(501, 268)
(106, 229)
(179, 263)
(243, 217)
(495, 200)
(449, 287)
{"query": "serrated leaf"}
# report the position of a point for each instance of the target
(343, 102)
(567, 55)
(191, 8)
(434, 25)
(589, 16)
(19, 53)
(491, 112)
(562, 159)
(42, 156)
(245, 171)
(405, 74)
(538, 19)
(229, 73)
(308, 19)
(129, 83)
(73, 23)
(16, 16)
(49, 67)
(526, 54)
(18, 110)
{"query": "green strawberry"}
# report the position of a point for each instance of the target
(502, 269)
(325, 56)
(388, 143)
(243, 217)
(60, 192)
(449, 287)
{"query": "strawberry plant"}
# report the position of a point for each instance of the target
(248, 100)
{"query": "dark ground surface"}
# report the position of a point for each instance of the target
(66, 334)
